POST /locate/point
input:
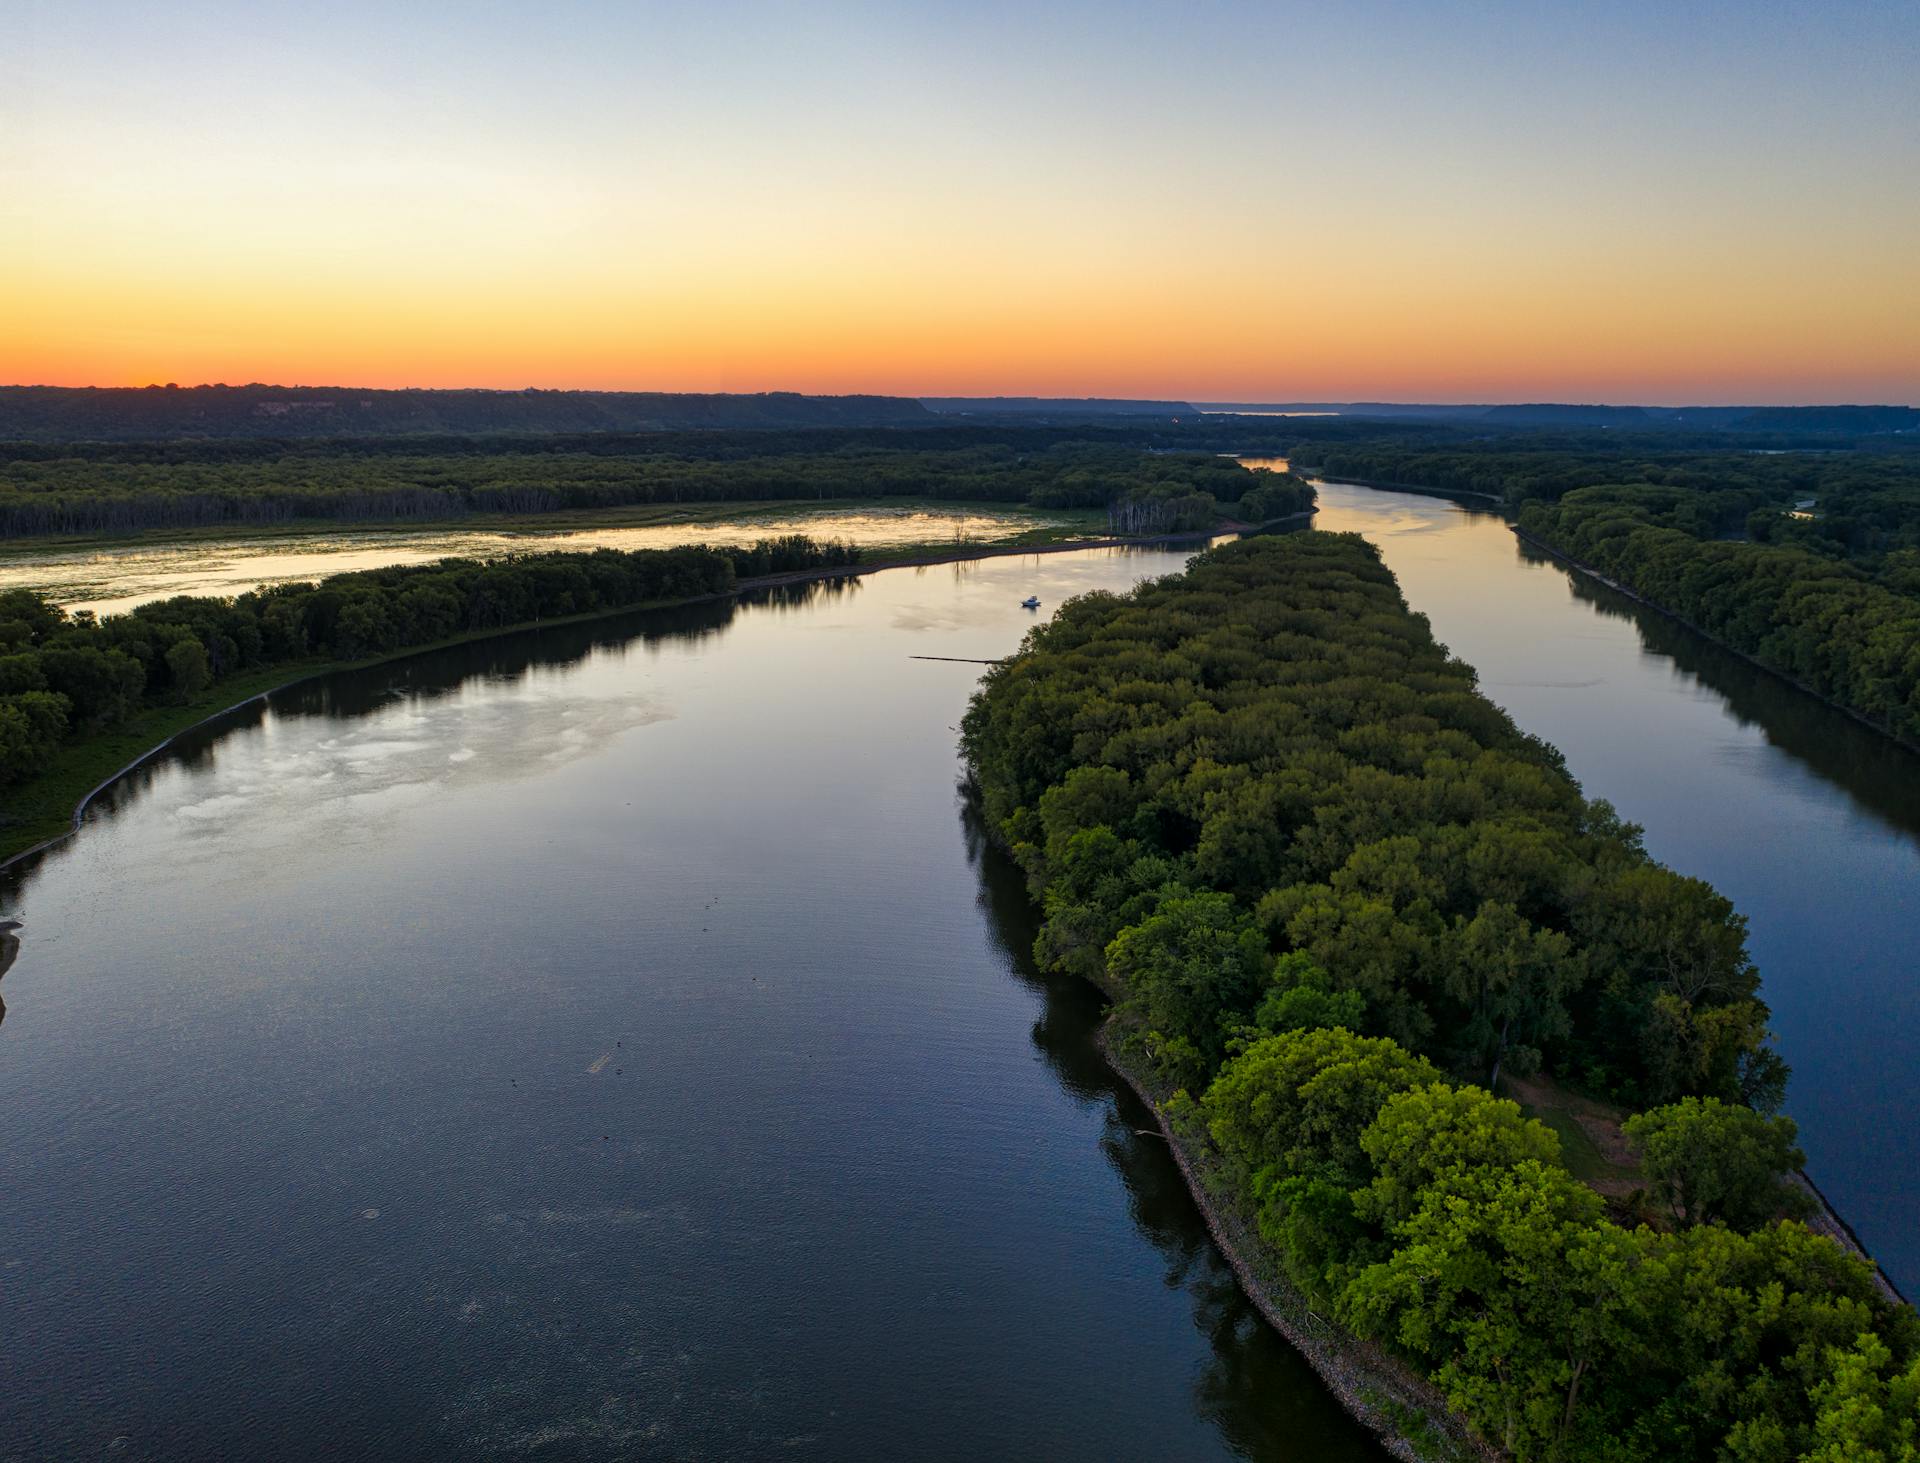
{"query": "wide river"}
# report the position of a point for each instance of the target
(612, 1042)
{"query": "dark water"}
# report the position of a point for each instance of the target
(607, 1042)
(1807, 820)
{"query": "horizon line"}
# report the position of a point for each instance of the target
(1220, 404)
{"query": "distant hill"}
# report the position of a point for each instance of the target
(1852, 420)
(1055, 408)
(96, 414)
(1563, 414)
(1860, 419)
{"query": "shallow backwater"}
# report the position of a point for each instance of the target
(111, 579)
(605, 1042)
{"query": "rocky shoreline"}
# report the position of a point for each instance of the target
(1401, 1408)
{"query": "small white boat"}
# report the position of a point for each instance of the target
(1031, 602)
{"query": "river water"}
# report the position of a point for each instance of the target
(603, 1042)
(1807, 820)
(611, 1041)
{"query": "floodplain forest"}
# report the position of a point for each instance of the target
(1339, 898)
(115, 488)
(1808, 562)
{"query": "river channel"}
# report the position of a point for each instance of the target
(611, 1041)
(1807, 820)
(601, 1042)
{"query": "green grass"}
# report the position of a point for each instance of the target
(1561, 1109)
(1577, 1151)
(43, 807)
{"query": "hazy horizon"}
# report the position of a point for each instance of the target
(1202, 403)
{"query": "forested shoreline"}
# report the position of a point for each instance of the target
(1338, 896)
(1809, 563)
(66, 678)
(110, 490)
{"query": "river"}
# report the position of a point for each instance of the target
(1807, 820)
(611, 1041)
(601, 1042)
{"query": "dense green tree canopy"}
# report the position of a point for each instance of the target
(1326, 881)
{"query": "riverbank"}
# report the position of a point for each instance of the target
(52, 807)
(1562, 557)
(1401, 1408)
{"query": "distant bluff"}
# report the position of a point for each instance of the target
(97, 413)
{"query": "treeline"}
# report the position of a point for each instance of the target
(1337, 894)
(1179, 502)
(64, 678)
(1807, 561)
(148, 489)
(1847, 634)
(67, 413)
(1725, 484)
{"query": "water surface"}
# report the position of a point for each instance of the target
(611, 1042)
(604, 1042)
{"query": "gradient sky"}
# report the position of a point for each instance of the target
(1649, 200)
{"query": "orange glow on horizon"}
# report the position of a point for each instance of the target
(856, 202)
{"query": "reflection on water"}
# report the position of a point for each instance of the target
(9, 952)
(665, 1078)
(1881, 777)
(112, 579)
(1257, 1390)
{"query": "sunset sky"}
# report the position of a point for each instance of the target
(1649, 202)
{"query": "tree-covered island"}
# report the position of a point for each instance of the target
(1338, 897)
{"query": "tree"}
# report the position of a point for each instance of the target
(1514, 981)
(187, 667)
(31, 726)
(101, 685)
(1190, 972)
(1438, 1136)
(1302, 995)
(1868, 1411)
(39, 615)
(1298, 1102)
(1715, 1161)
(1512, 1285)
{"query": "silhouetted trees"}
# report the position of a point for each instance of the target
(182, 485)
